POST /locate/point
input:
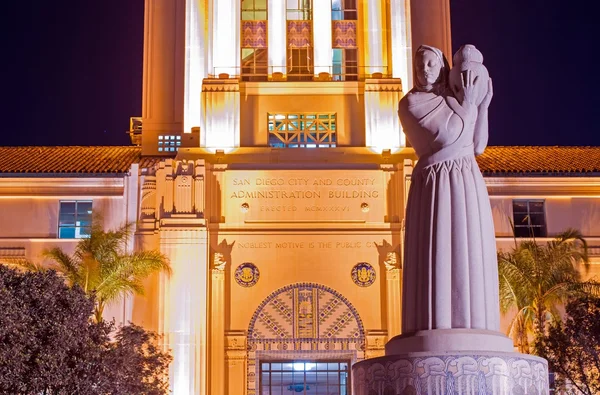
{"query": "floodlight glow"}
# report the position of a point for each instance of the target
(322, 30)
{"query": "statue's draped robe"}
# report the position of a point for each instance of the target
(450, 276)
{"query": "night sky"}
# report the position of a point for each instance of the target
(72, 70)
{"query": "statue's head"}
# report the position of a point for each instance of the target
(430, 69)
(469, 58)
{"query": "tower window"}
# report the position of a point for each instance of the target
(345, 64)
(343, 10)
(254, 10)
(302, 130)
(299, 10)
(254, 47)
(74, 219)
(169, 143)
(529, 218)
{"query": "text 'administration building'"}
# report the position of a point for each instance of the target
(273, 173)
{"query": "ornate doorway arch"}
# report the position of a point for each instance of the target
(303, 321)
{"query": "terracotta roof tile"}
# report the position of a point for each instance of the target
(540, 160)
(505, 160)
(72, 159)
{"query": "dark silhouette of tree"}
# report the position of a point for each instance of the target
(49, 343)
(572, 347)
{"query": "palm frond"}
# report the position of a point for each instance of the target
(68, 266)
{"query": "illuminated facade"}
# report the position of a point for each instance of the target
(273, 173)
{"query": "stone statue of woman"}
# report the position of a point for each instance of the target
(450, 277)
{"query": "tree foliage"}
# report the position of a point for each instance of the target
(572, 348)
(50, 345)
(102, 265)
(535, 279)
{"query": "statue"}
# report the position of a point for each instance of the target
(450, 310)
(450, 268)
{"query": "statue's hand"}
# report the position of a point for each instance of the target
(469, 79)
(488, 96)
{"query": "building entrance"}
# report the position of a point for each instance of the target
(305, 377)
(303, 339)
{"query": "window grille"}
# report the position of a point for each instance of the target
(302, 130)
(304, 377)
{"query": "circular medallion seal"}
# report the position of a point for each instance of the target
(363, 274)
(247, 274)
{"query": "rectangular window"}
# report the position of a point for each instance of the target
(345, 64)
(255, 64)
(74, 219)
(343, 10)
(255, 61)
(529, 218)
(305, 377)
(169, 143)
(302, 130)
(299, 10)
(300, 64)
(254, 10)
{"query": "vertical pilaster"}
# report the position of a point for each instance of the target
(236, 362)
(199, 194)
(430, 25)
(217, 326)
(322, 37)
(164, 71)
(394, 299)
(226, 37)
(196, 60)
(221, 113)
(374, 24)
(375, 346)
(401, 42)
(382, 126)
(277, 36)
(184, 304)
(130, 202)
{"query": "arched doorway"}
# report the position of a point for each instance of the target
(302, 339)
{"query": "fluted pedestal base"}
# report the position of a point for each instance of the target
(474, 371)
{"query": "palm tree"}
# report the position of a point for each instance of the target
(537, 278)
(102, 266)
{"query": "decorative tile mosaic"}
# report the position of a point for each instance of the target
(303, 318)
(299, 34)
(344, 34)
(363, 274)
(254, 34)
(247, 274)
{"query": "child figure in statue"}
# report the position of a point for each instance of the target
(450, 268)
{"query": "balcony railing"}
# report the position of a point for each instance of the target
(303, 73)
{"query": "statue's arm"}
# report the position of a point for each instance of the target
(480, 139)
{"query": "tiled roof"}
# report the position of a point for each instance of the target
(73, 159)
(506, 160)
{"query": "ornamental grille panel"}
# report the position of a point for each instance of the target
(302, 130)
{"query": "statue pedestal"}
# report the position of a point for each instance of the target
(451, 362)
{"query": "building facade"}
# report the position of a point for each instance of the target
(272, 171)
